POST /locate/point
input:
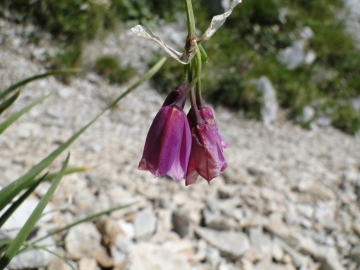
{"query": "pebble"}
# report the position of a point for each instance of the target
(230, 244)
(82, 240)
(152, 256)
(145, 224)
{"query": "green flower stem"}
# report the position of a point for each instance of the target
(190, 18)
(198, 67)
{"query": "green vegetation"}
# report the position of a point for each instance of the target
(245, 48)
(110, 68)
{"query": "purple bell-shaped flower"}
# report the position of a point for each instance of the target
(206, 157)
(168, 143)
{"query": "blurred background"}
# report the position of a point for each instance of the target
(308, 50)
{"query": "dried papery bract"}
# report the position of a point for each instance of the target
(217, 21)
(185, 58)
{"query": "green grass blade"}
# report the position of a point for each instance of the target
(7, 192)
(50, 176)
(30, 223)
(34, 78)
(57, 255)
(8, 102)
(4, 244)
(12, 118)
(19, 201)
(86, 219)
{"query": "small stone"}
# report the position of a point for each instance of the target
(123, 243)
(82, 241)
(228, 191)
(152, 256)
(308, 114)
(213, 256)
(306, 33)
(145, 224)
(276, 251)
(201, 251)
(295, 56)
(276, 226)
(298, 259)
(109, 229)
(127, 228)
(328, 258)
(215, 221)
(355, 254)
(246, 264)
(118, 256)
(181, 222)
(103, 259)
(164, 222)
(87, 263)
(230, 244)
(260, 242)
(270, 104)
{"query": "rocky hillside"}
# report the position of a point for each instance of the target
(288, 200)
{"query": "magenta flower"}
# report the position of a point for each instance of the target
(207, 113)
(168, 143)
(206, 157)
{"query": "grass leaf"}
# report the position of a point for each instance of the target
(34, 78)
(31, 221)
(50, 176)
(57, 255)
(8, 192)
(19, 201)
(4, 105)
(12, 118)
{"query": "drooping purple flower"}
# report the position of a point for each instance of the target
(206, 157)
(207, 113)
(168, 143)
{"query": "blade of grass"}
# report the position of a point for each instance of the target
(8, 102)
(31, 221)
(50, 176)
(34, 78)
(12, 118)
(19, 201)
(4, 244)
(10, 191)
(86, 219)
(57, 255)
